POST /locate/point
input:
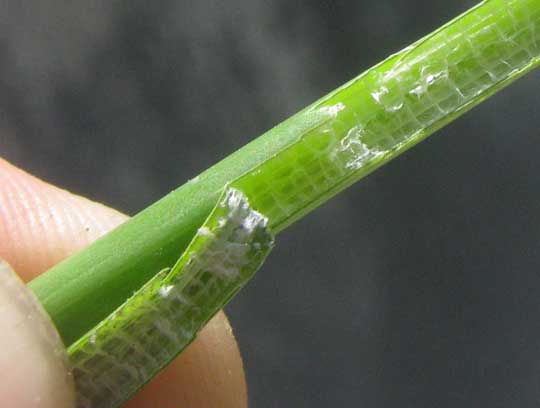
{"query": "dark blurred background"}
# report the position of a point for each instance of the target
(418, 287)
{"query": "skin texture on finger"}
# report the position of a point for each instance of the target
(33, 359)
(41, 224)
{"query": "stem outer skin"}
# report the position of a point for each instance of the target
(310, 157)
(111, 362)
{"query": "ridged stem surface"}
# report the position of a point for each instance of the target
(308, 158)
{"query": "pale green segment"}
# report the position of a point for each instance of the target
(112, 361)
(308, 158)
(397, 104)
(346, 135)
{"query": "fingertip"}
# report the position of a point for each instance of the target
(41, 224)
(33, 359)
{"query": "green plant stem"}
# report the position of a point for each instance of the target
(310, 157)
(125, 350)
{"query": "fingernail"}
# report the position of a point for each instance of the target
(33, 361)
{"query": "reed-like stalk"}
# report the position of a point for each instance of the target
(307, 159)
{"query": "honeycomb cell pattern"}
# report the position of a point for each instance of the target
(396, 104)
(344, 136)
(127, 349)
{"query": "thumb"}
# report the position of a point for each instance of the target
(33, 361)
